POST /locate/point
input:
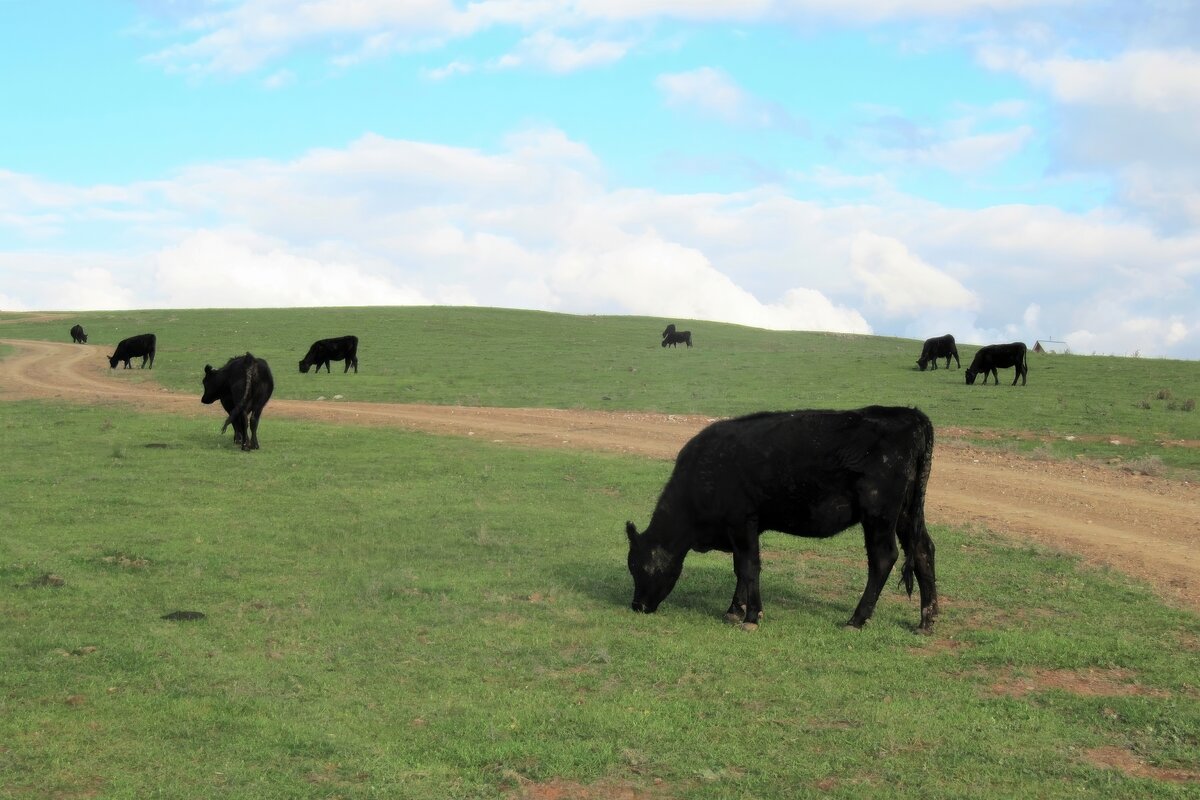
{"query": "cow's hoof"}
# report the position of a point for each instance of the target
(733, 618)
(749, 626)
(853, 626)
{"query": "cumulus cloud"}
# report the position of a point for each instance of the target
(647, 275)
(239, 270)
(535, 224)
(899, 282)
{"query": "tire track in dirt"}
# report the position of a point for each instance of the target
(1146, 527)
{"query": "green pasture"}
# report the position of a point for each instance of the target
(485, 356)
(393, 615)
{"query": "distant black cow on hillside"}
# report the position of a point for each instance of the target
(991, 357)
(938, 347)
(323, 351)
(243, 385)
(677, 337)
(807, 473)
(142, 345)
(77, 335)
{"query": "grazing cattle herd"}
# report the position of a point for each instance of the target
(811, 473)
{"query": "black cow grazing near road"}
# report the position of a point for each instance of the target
(677, 337)
(991, 357)
(807, 473)
(77, 334)
(142, 345)
(667, 331)
(243, 385)
(938, 347)
(325, 350)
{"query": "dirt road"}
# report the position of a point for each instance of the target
(1146, 527)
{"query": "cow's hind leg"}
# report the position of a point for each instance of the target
(253, 425)
(879, 535)
(919, 561)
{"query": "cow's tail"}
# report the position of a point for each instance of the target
(914, 538)
(244, 405)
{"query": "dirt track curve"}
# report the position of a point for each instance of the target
(1146, 527)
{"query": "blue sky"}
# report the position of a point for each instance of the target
(998, 169)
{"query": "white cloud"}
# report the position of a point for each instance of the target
(449, 71)
(239, 270)
(536, 225)
(899, 282)
(554, 53)
(712, 93)
(279, 79)
(242, 36)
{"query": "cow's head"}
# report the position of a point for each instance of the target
(113, 361)
(654, 570)
(921, 364)
(214, 382)
(84, 337)
(304, 365)
(971, 376)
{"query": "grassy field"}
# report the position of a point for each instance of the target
(480, 356)
(392, 615)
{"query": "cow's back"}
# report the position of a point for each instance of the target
(771, 465)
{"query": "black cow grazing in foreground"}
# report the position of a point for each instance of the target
(243, 385)
(325, 350)
(669, 329)
(142, 345)
(938, 347)
(77, 334)
(677, 337)
(991, 357)
(807, 473)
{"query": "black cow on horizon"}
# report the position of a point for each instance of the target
(938, 347)
(806, 473)
(323, 351)
(677, 337)
(143, 345)
(991, 357)
(78, 336)
(243, 385)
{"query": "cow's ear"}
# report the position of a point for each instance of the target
(631, 532)
(207, 368)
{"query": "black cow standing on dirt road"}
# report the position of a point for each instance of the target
(323, 351)
(991, 357)
(243, 385)
(77, 334)
(938, 347)
(142, 345)
(807, 473)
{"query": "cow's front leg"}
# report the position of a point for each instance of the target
(748, 566)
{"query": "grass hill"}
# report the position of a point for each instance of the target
(501, 357)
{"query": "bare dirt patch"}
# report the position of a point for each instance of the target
(1127, 762)
(1142, 525)
(1084, 683)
